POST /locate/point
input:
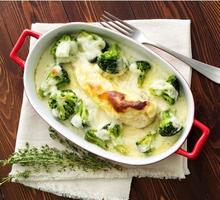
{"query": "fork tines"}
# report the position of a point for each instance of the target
(110, 21)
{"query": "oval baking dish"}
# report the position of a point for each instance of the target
(31, 62)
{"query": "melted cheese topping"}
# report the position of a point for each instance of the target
(91, 47)
(160, 85)
(63, 49)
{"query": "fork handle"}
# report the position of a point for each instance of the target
(209, 71)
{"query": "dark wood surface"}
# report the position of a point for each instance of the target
(204, 181)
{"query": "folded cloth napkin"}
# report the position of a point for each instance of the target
(112, 184)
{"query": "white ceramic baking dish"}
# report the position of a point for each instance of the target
(29, 70)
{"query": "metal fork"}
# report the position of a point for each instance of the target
(110, 21)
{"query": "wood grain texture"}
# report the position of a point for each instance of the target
(204, 181)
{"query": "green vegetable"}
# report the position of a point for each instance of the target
(65, 49)
(63, 38)
(145, 144)
(165, 90)
(113, 130)
(56, 78)
(91, 44)
(46, 158)
(63, 103)
(111, 61)
(143, 67)
(168, 98)
(122, 149)
(90, 136)
(172, 79)
(104, 136)
(64, 79)
(81, 115)
(169, 125)
(24, 175)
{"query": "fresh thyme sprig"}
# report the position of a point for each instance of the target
(24, 174)
(46, 157)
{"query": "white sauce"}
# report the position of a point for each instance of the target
(91, 48)
(63, 49)
(76, 121)
(160, 85)
(103, 134)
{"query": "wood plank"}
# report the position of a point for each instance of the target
(212, 19)
(88, 11)
(14, 17)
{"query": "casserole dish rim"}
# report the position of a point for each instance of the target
(74, 136)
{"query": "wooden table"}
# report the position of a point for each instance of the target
(204, 181)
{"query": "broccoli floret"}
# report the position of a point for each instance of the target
(81, 117)
(64, 49)
(143, 67)
(56, 78)
(169, 125)
(109, 131)
(63, 104)
(111, 61)
(165, 90)
(90, 136)
(61, 78)
(105, 135)
(113, 130)
(91, 45)
(140, 68)
(172, 79)
(122, 149)
(63, 38)
(145, 144)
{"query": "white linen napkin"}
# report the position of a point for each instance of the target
(112, 185)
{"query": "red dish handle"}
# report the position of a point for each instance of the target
(199, 144)
(18, 45)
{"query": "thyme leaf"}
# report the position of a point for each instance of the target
(25, 174)
(45, 157)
